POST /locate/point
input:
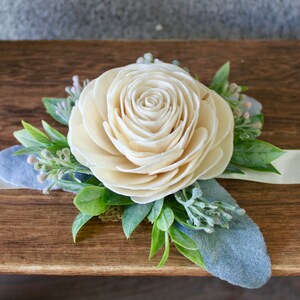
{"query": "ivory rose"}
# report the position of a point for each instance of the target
(149, 130)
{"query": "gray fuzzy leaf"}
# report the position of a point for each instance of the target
(238, 254)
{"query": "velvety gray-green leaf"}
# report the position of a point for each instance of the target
(155, 211)
(165, 219)
(80, 220)
(157, 240)
(90, 200)
(181, 239)
(238, 254)
(133, 215)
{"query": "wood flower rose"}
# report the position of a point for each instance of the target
(149, 130)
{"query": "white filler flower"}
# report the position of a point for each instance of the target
(149, 130)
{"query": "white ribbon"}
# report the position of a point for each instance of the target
(288, 165)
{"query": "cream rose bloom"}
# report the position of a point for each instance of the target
(148, 130)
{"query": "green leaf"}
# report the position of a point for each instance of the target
(257, 118)
(90, 200)
(36, 134)
(220, 78)
(25, 139)
(254, 153)
(29, 150)
(155, 211)
(181, 216)
(78, 223)
(93, 181)
(244, 88)
(56, 147)
(166, 252)
(133, 215)
(50, 105)
(114, 199)
(54, 135)
(72, 186)
(165, 219)
(193, 255)
(157, 241)
(181, 239)
(266, 168)
(231, 168)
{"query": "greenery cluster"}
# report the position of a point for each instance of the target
(50, 154)
(248, 151)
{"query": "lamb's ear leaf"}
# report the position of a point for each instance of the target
(238, 254)
(14, 170)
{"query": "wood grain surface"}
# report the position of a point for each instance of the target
(35, 230)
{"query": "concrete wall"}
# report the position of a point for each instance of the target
(151, 19)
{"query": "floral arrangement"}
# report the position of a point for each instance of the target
(146, 142)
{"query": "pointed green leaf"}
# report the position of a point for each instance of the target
(165, 219)
(111, 198)
(166, 252)
(133, 215)
(266, 168)
(254, 153)
(157, 241)
(231, 168)
(36, 134)
(90, 200)
(193, 255)
(25, 139)
(220, 78)
(54, 135)
(78, 223)
(29, 150)
(155, 211)
(72, 186)
(56, 147)
(181, 239)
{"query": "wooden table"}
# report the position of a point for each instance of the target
(35, 230)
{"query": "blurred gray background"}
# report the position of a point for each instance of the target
(156, 19)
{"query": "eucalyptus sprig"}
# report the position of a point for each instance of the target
(49, 153)
(200, 213)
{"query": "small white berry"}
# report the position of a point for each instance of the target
(246, 115)
(31, 160)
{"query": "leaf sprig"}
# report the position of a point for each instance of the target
(49, 153)
(60, 108)
(248, 122)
